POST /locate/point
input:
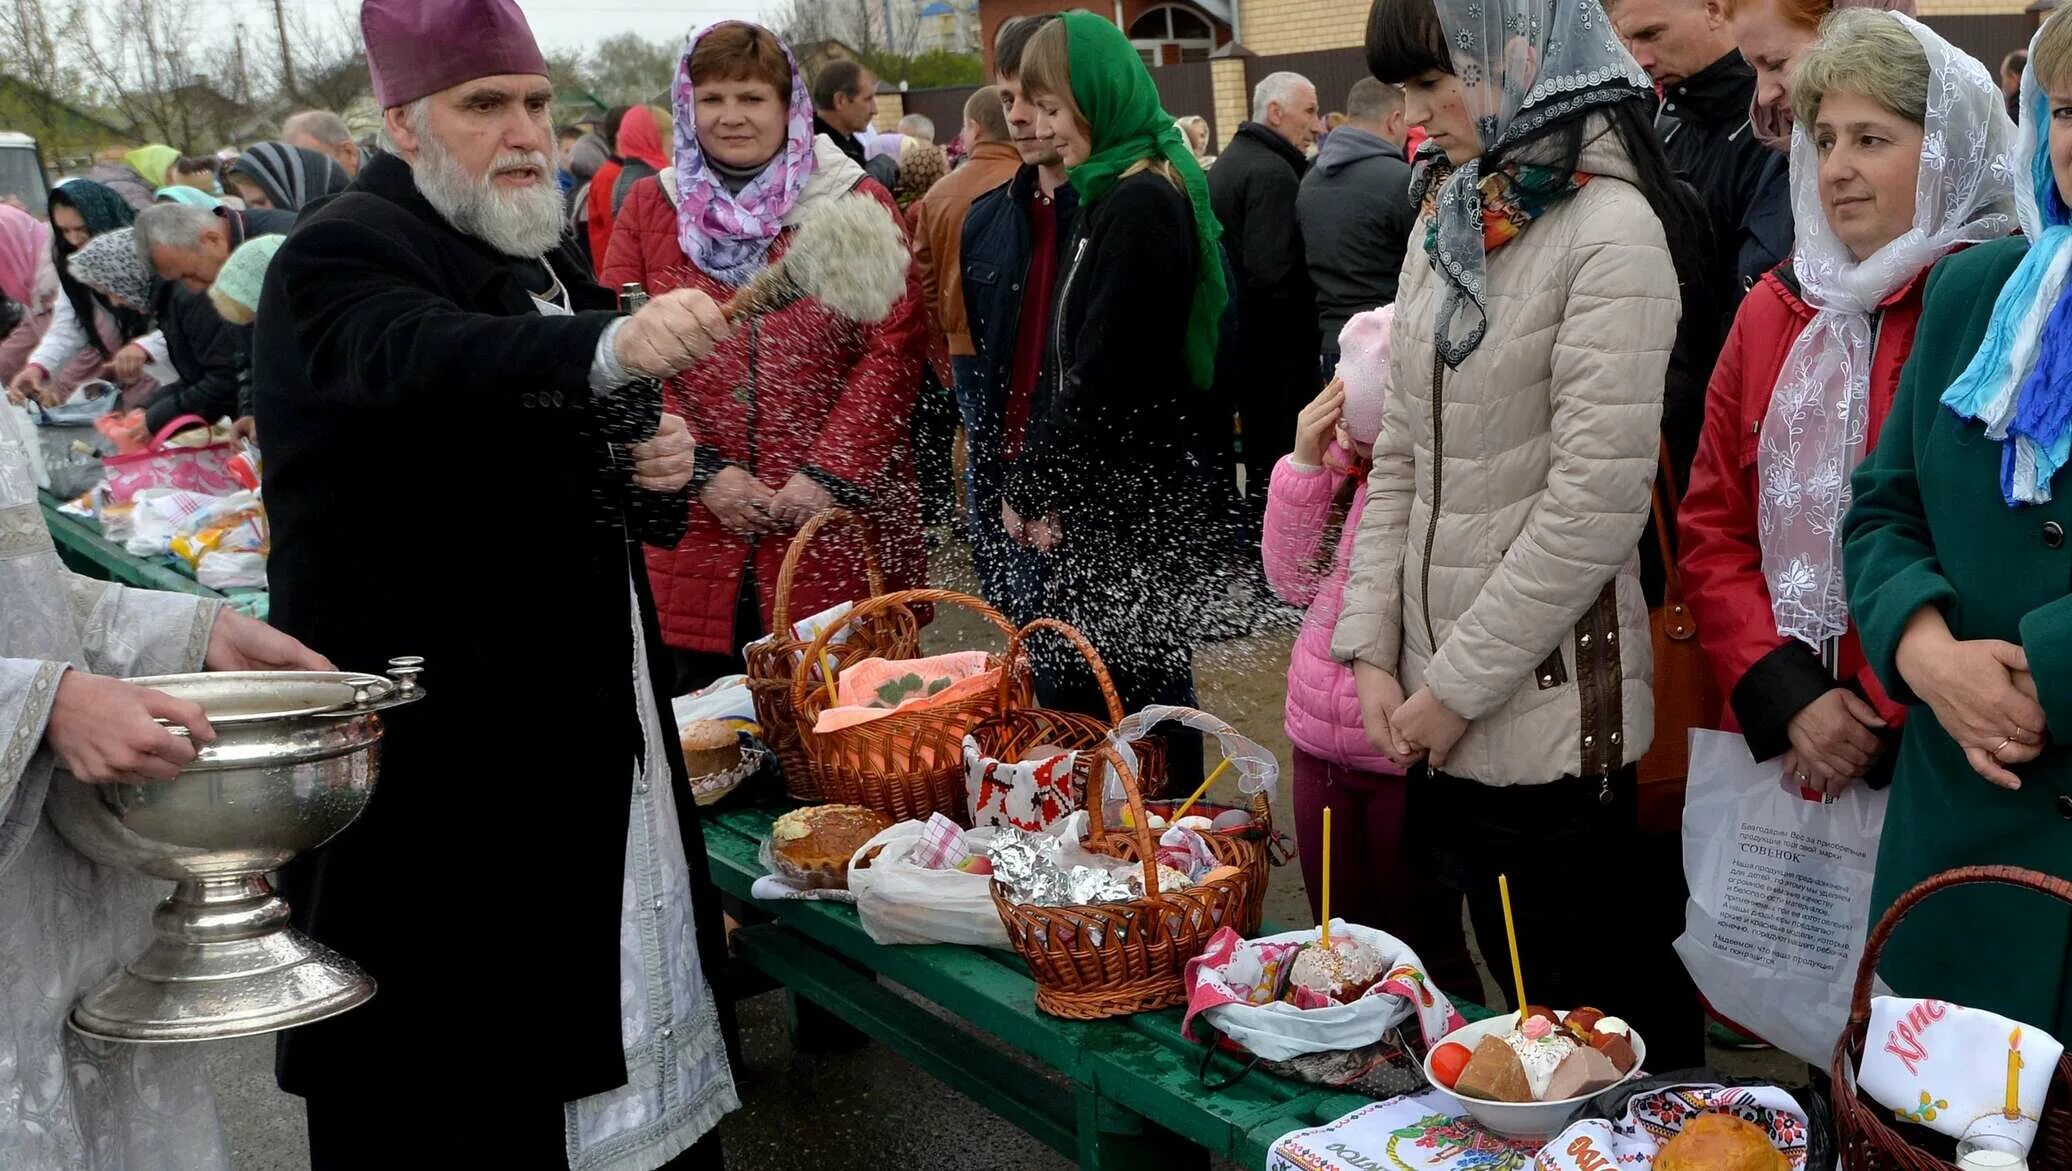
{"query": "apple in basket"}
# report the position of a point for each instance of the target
(976, 864)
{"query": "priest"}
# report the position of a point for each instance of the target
(465, 450)
(69, 1103)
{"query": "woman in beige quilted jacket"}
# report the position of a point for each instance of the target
(1494, 580)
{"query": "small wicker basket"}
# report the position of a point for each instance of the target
(1114, 959)
(892, 633)
(909, 764)
(1864, 1129)
(1014, 730)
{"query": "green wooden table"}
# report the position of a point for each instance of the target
(82, 547)
(1132, 1097)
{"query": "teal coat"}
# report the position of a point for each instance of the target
(1929, 528)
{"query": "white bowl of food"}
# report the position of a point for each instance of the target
(1524, 1078)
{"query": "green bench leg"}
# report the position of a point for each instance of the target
(814, 1029)
(1114, 1139)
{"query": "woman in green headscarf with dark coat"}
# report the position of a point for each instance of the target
(1112, 483)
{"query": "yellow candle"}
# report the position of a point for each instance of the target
(1503, 886)
(1327, 877)
(1204, 787)
(2013, 1109)
(827, 672)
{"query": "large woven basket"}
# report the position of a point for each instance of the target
(892, 633)
(1114, 959)
(1015, 730)
(909, 764)
(1864, 1129)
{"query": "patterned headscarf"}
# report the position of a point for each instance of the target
(727, 234)
(103, 211)
(110, 264)
(1813, 434)
(291, 176)
(1524, 65)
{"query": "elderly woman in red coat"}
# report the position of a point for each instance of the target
(799, 410)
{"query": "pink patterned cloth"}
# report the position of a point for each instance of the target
(727, 234)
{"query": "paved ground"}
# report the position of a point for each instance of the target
(870, 1108)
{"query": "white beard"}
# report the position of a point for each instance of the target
(524, 222)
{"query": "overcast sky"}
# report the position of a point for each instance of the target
(558, 24)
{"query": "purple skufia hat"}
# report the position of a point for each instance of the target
(419, 47)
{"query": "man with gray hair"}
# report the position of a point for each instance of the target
(186, 246)
(1253, 189)
(919, 126)
(1355, 211)
(325, 133)
(436, 308)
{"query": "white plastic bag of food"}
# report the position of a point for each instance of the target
(223, 571)
(1780, 896)
(901, 901)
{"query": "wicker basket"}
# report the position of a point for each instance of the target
(909, 764)
(1254, 848)
(892, 633)
(1864, 1129)
(1015, 729)
(1137, 963)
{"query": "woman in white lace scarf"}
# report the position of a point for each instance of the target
(1902, 153)
(68, 1103)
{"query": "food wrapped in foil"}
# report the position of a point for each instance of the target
(1030, 868)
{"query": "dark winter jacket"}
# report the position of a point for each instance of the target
(212, 356)
(1116, 445)
(389, 344)
(1253, 189)
(849, 143)
(206, 350)
(1355, 213)
(1706, 134)
(1769, 228)
(995, 260)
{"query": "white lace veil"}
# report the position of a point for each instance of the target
(1814, 432)
(1522, 64)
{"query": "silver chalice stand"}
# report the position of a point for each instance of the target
(293, 763)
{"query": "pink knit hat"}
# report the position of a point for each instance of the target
(1363, 365)
(419, 47)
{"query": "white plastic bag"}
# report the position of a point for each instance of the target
(1780, 896)
(900, 901)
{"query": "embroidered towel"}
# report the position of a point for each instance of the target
(1958, 1070)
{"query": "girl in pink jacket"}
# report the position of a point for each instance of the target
(1316, 495)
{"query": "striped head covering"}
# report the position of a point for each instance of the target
(291, 176)
(109, 263)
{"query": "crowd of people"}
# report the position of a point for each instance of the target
(1574, 298)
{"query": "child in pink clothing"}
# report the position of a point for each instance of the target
(1317, 493)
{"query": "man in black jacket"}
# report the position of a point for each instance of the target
(427, 343)
(186, 246)
(1688, 48)
(1010, 253)
(845, 99)
(1253, 188)
(1355, 213)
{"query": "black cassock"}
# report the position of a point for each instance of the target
(442, 482)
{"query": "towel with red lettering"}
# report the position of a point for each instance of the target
(1652, 1119)
(1960, 1071)
(1424, 1132)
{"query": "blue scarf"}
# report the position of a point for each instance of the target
(2019, 383)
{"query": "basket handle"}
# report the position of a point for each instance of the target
(2015, 876)
(780, 615)
(1018, 649)
(804, 693)
(1147, 848)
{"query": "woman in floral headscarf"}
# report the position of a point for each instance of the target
(1809, 373)
(799, 409)
(1494, 580)
(87, 330)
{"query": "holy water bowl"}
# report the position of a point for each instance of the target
(293, 763)
(1529, 1120)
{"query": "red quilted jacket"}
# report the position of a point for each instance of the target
(796, 388)
(1720, 556)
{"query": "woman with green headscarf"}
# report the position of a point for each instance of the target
(1113, 484)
